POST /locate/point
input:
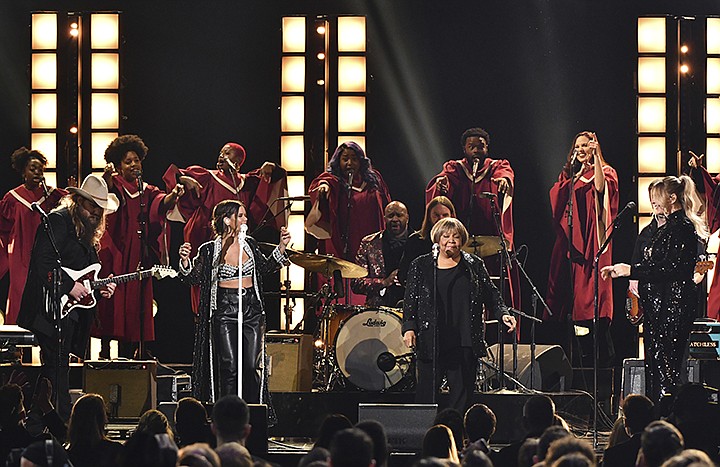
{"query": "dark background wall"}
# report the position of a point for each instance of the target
(533, 73)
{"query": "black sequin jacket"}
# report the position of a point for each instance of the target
(418, 313)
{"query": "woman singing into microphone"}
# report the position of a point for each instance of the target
(453, 310)
(216, 270)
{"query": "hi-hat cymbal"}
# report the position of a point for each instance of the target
(484, 245)
(326, 265)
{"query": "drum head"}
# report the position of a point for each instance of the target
(363, 338)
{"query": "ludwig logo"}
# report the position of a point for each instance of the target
(375, 323)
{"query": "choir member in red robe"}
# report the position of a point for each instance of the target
(18, 222)
(348, 203)
(136, 237)
(592, 186)
(258, 190)
(470, 183)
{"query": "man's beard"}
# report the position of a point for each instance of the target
(90, 225)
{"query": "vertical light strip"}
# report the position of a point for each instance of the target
(292, 147)
(43, 95)
(351, 79)
(712, 115)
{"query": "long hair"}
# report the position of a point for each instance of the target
(684, 190)
(427, 222)
(89, 237)
(439, 442)
(366, 171)
(224, 209)
(87, 421)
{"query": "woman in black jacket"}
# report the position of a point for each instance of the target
(454, 310)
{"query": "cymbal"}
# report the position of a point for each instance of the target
(484, 245)
(291, 293)
(326, 264)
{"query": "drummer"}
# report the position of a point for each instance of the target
(480, 188)
(380, 254)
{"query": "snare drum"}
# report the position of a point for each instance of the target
(361, 339)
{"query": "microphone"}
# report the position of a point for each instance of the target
(435, 251)
(44, 187)
(338, 287)
(350, 177)
(36, 207)
(475, 165)
(294, 198)
(230, 163)
(486, 194)
(386, 361)
(574, 156)
(627, 209)
(243, 231)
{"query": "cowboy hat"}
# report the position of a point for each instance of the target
(95, 189)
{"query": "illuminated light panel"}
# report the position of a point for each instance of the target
(296, 187)
(293, 34)
(351, 114)
(651, 74)
(712, 155)
(105, 111)
(643, 222)
(644, 206)
(44, 31)
(292, 113)
(712, 115)
(360, 140)
(293, 74)
(46, 143)
(351, 34)
(297, 314)
(43, 108)
(44, 71)
(100, 142)
(713, 75)
(352, 74)
(651, 154)
(292, 153)
(50, 178)
(105, 71)
(713, 36)
(297, 277)
(651, 35)
(104, 31)
(651, 115)
(296, 226)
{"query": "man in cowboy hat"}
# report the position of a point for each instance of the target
(76, 225)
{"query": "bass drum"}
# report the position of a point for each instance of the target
(364, 337)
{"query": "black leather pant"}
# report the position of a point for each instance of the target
(49, 357)
(224, 329)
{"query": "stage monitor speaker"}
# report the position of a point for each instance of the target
(552, 369)
(633, 376)
(128, 387)
(257, 442)
(405, 424)
(290, 362)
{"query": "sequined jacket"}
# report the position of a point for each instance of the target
(370, 256)
(665, 272)
(418, 312)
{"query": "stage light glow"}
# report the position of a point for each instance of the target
(651, 75)
(74, 32)
(105, 71)
(352, 72)
(351, 114)
(73, 130)
(293, 74)
(100, 142)
(293, 34)
(319, 344)
(651, 115)
(321, 55)
(651, 35)
(292, 113)
(104, 111)
(321, 30)
(43, 108)
(320, 82)
(713, 75)
(292, 153)
(44, 31)
(712, 155)
(46, 143)
(713, 36)
(712, 115)
(651, 154)
(684, 49)
(684, 69)
(44, 71)
(351, 34)
(104, 29)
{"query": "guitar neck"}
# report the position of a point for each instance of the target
(139, 275)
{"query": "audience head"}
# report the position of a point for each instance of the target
(316, 454)
(155, 422)
(145, 449)
(439, 442)
(573, 459)
(637, 413)
(480, 423)
(191, 421)
(569, 445)
(231, 420)
(660, 441)
(331, 425)
(689, 457)
(198, 455)
(87, 421)
(376, 432)
(234, 455)
(351, 447)
(476, 458)
(692, 403)
(12, 410)
(438, 208)
(538, 413)
(527, 452)
(549, 436)
(36, 454)
(452, 419)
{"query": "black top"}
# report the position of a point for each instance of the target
(453, 287)
(414, 246)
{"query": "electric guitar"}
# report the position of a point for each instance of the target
(88, 277)
(634, 311)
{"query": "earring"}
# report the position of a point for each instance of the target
(227, 221)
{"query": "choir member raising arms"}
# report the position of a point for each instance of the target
(18, 223)
(668, 293)
(348, 203)
(136, 237)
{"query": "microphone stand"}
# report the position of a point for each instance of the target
(240, 319)
(435, 382)
(266, 220)
(569, 317)
(346, 235)
(142, 229)
(471, 207)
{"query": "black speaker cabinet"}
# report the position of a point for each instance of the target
(290, 362)
(633, 376)
(552, 369)
(405, 424)
(128, 387)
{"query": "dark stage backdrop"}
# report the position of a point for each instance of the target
(197, 74)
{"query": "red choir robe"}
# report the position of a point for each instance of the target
(460, 192)
(329, 218)
(18, 225)
(121, 253)
(255, 191)
(592, 215)
(712, 206)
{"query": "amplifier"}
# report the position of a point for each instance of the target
(128, 387)
(290, 362)
(172, 388)
(633, 376)
(704, 339)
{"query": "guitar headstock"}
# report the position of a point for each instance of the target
(701, 267)
(161, 272)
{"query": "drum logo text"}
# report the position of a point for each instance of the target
(374, 323)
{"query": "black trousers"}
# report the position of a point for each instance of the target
(459, 364)
(225, 337)
(49, 355)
